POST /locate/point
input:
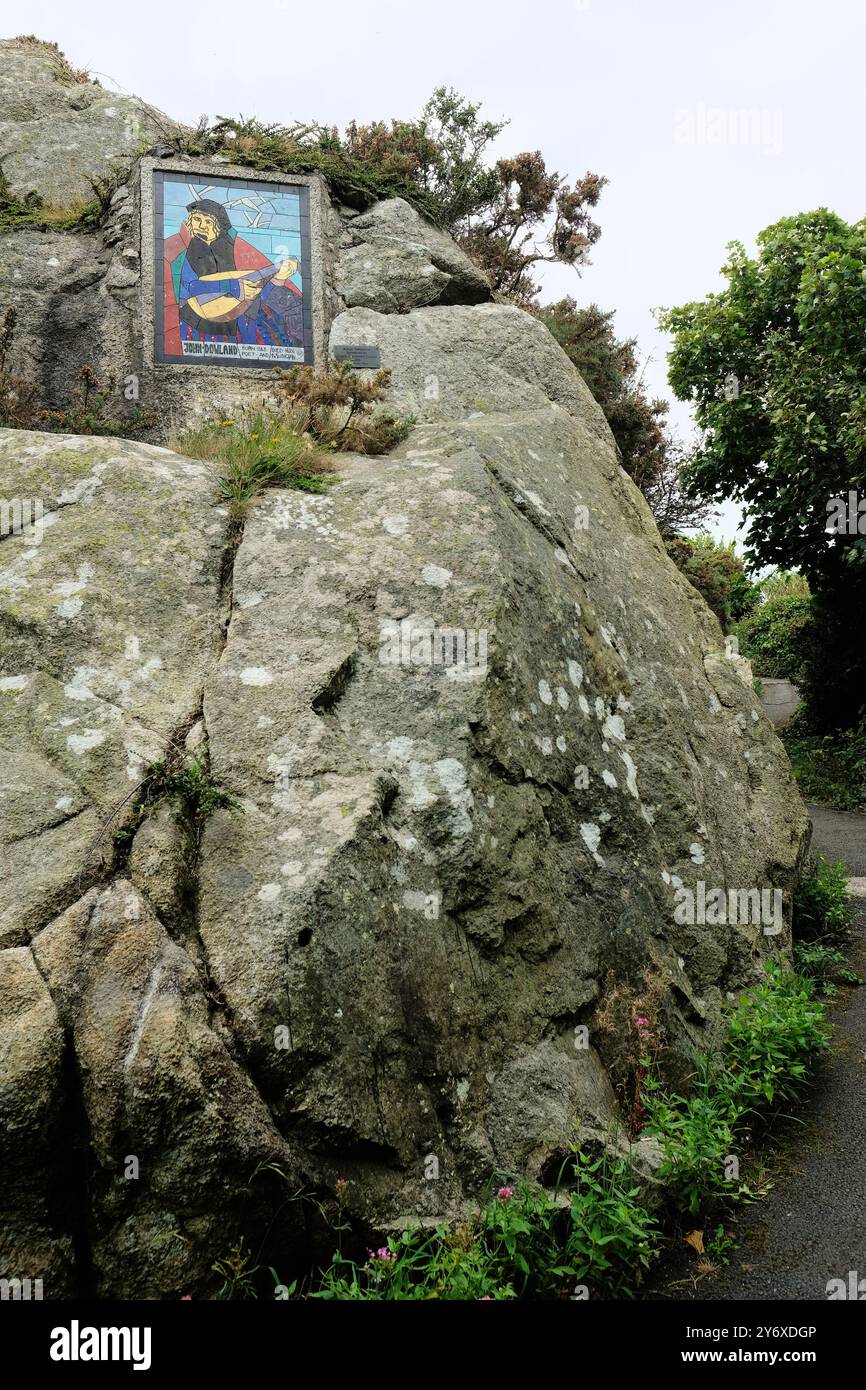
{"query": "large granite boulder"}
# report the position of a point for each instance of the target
(479, 732)
(467, 737)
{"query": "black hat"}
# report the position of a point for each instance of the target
(214, 210)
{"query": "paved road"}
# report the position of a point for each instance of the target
(840, 835)
(812, 1228)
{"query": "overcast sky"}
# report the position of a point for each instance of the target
(627, 88)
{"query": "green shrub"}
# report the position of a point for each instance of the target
(774, 1032)
(717, 572)
(528, 1243)
(415, 1265)
(180, 779)
(192, 782)
(522, 1244)
(612, 1239)
(775, 636)
(821, 905)
(824, 965)
(829, 768)
(696, 1133)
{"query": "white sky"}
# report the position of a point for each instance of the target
(594, 84)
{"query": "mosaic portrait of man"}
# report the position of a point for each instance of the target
(232, 271)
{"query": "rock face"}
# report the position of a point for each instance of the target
(480, 739)
(396, 261)
(437, 870)
(58, 130)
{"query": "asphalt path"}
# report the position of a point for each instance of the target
(811, 1229)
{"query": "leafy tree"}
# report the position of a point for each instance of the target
(777, 635)
(610, 368)
(783, 584)
(776, 367)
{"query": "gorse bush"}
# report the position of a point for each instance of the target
(337, 407)
(292, 443)
(822, 908)
(511, 215)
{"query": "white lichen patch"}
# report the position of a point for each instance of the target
(436, 576)
(399, 750)
(562, 697)
(608, 778)
(82, 743)
(614, 728)
(269, 892)
(631, 772)
(426, 903)
(452, 777)
(575, 673)
(590, 833)
(396, 525)
(532, 498)
(420, 793)
(79, 687)
(13, 683)
(255, 675)
(545, 694)
(696, 852)
(69, 608)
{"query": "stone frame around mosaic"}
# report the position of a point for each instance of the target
(310, 187)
